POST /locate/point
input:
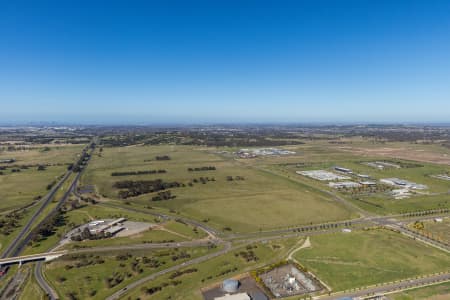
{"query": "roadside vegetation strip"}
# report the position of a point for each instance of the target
(12, 246)
(17, 244)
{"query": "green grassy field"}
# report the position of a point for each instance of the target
(73, 275)
(44, 154)
(350, 260)
(261, 201)
(20, 188)
(212, 272)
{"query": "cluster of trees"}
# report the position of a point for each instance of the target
(225, 272)
(72, 204)
(155, 289)
(366, 189)
(163, 157)
(72, 295)
(181, 273)
(164, 195)
(322, 226)
(128, 173)
(202, 180)
(10, 221)
(135, 188)
(209, 168)
(115, 279)
(48, 227)
(50, 185)
(121, 257)
(152, 262)
(248, 255)
(158, 242)
(88, 200)
(81, 162)
(89, 261)
(404, 164)
(84, 260)
(237, 178)
(419, 225)
(181, 255)
(427, 212)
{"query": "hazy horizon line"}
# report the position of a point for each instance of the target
(220, 123)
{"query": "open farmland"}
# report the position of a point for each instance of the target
(245, 204)
(22, 187)
(361, 258)
(436, 153)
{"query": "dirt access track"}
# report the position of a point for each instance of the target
(401, 153)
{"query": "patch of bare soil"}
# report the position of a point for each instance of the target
(401, 153)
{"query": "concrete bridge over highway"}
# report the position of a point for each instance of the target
(30, 258)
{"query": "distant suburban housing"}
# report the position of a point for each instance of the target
(7, 161)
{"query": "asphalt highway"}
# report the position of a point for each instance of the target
(11, 250)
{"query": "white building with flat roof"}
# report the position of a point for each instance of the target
(322, 175)
(344, 184)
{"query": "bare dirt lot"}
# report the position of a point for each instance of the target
(401, 153)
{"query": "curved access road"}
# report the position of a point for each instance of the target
(50, 292)
(197, 260)
(189, 244)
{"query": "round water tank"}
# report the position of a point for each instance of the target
(230, 285)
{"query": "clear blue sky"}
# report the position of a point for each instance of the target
(225, 61)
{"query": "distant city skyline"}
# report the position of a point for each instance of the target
(209, 62)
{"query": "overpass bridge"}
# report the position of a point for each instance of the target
(30, 258)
